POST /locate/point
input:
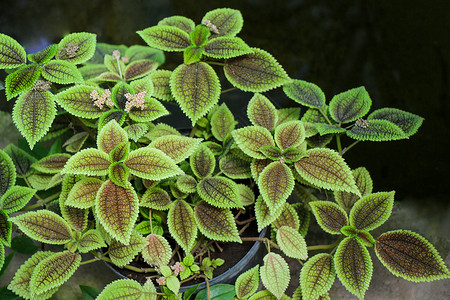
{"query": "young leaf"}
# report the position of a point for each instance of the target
(176, 147)
(275, 274)
(202, 162)
(182, 227)
(136, 131)
(164, 37)
(262, 112)
(44, 55)
(353, 266)
(51, 164)
(289, 134)
(271, 152)
(152, 110)
(125, 289)
(153, 164)
(12, 54)
(77, 101)
(276, 183)
(292, 155)
(246, 194)
(111, 135)
(330, 216)
(83, 193)
(21, 80)
(117, 210)
(88, 161)
(226, 47)
(247, 283)
(44, 226)
(157, 252)
(143, 84)
(77, 47)
(222, 122)
(305, 93)
(156, 198)
(263, 215)
(117, 115)
(16, 198)
(7, 172)
(216, 223)
(199, 36)
(223, 21)
(350, 105)
(161, 79)
(5, 231)
(118, 93)
(90, 240)
(408, 255)
(118, 173)
(292, 243)
(372, 210)
(122, 254)
(187, 184)
(317, 276)
(120, 152)
(288, 217)
(196, 88)
(407, 121)
(139, 68)
(235, 167)
(325, 168)
(251, 138)
(181, 22)
(219, 191)
(256, 72)
(365, 238)
(376, 130)
(363, 182)
(62, 72)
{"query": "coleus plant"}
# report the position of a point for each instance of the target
(129, 185)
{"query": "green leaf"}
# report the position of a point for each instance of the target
(77, 101)
(182, 227)
(216, 223)
(257, 166)
(353, 266)
(251, 138)
(156, 198)
(82, 194)
(22, 160)
(217, 292)
(77, 47)
(4, 263)
(21, 80)
(176, 147)
(118, 173)
(74, 143)
(90, 240)
(324, 129)
(51, 164)
(44, 226)
(153, 164)
(364, 183)
(12, 54)
(161, 129)
(78, 218)
(247, 283)
(139, 68)
(157, 252)
(407, 121)
(122, 254)
(223, 21)
(92, 72)
(113, 114)
(222, 122)
(120, 152)
(164, 37)
(226, 47)
(288, 114)
(7, 172)
(161, 79)
(304, 216)
(235, 167)
(127, 289)
(62, 72)
(289, 134)
(16, 198)
(276, 183)
(117, 210)
(264, 216)
(187, 184)
(372, 210)
(305, 93)
(256, 72)
(376, 130)
(199, 36)
(89, 292)
(88, 161)
(330, 216)
(202, 162)
(153, 109)
(408, 255)
(111, 135)
(44, 55)
(263, 295)
(275, 274)
(246, 194)
(181, 22)
(219, 191)
(5, 232)
(292, 243)
(192, 54)
(365, 238)
(262, 112)
(291, 155)
(33, 114)
(317, 276)
(325, 168)
(139, 52)
(288, 217)
(136, 131)
(196, 88)
(350, 105)
(23, 245)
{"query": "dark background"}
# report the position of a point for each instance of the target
(399, 50)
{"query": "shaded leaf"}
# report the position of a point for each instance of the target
(275, 274)
(111, 135)
(372, 210)
(51, 164)
(247, 283)
(112, 114)
(187, 184)
(222, 122)
(257, 166)
(317, 276)
(324, 129)
(77, 218)
(77, 101)
(376, 130)
(235, 167)
(24, 245)
(157, 252)
(288, 217)
(226, 47)
(182, 227)
(263, 295)
(330, 216)
(263, 215)
(291, 155)
(156, 198)
(16, 198)
(289, 134)
(40, 181)
(181, 22)
(219, 191)
(407, 121)
(118, 173)
(251, 138)
(161, 79)
(305, 93)
(90, 240)
(83, 193)
(262, 112)
(304, 217)
(288, 114)
(62, 72)
(164, 37)
(136, 131)
(12, 54)
(5, 232)
(271, 152)
(153, 109)
(202, 162)
(246, 194)
(128, 289)
(74, 143)
(92, 71)
(139, 68)
(44, 55)
(161, 129)
(363, 182)
(223, 21)
(292, 243)
(7, 172)
(139, 52)
(350, 105)
(89, 292)
(109, 76)
(122, 254)
(88, 161)
(176, 147)
(77, 47)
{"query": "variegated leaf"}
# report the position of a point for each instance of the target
(222, 122)
(2, 256)
(365, 238)
(176, 147)
(161, 79)
(330, 216)
(139, 68)
(181, 22)
(113, 114)
(288, 217)
(118, 173)
(317, 276)
(223, 21)
(117, 210)
(16, 198)
(216, 223)
(289, 134)
(372, 210)
(77, 218)
(288, 114)
(12, 54)
(263, 295)
(262, 112)
(157, 252)
(164, 37)
(304, 216)
(33, 114)
(77, 101)
(376, 130)
(7, 172)
(353, 266)
(247, 283)
(143, 84)
(226, 47)
(111, 135)
(292, 155)
(327, 169)
(136, 131)
(199, 36)
(264, 216)
(364, 183)
(247, 195)
(275, 274)
(122, 254)
(90, 240)
(5, 231)
(182, 227)
(257, 166)
(305, 93)
(350, 105)
(407, 121)
(271, 152)
(40, 181)
(127, 289)
(202, 162)
(119, 91)
(44, 226)
(83, 193)
(44, 55)
(156, 198)
(62, 72)
(219, 191)
(251, 138)
(77, 47)
(161, 129)
(187, 184)
(292, 243)
(409, 255)
(120, 152)
(235, 167)
(88, 161)
(21, 80)
(153, 164)
(153, 109)
(256, 72)
(276, 183)
(51, 164)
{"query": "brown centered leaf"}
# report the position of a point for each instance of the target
(110, 136)
(330, 216)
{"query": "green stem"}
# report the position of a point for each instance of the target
(324, 247)
(349, 147)
(338, 142)
(29, 185)
(228, 90)
(325, 116)
(138, 270)
(194, 129)
(215, 63)
(258, 239)
(41, 202)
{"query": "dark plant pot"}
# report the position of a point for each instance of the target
(253, 257)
